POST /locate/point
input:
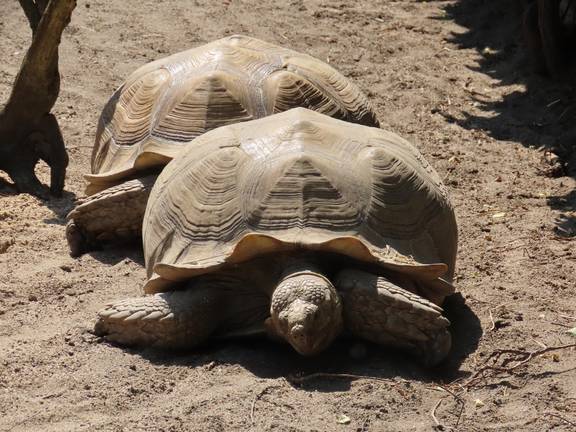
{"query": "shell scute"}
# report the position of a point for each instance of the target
(299, 180)
(167, 103)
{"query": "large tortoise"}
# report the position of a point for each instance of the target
(167, 103)
(300, 226)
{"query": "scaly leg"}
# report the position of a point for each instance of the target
(377, 310)
(113, 215)
(173, 320)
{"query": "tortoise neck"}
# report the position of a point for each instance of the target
(305, 308)
(299, 266)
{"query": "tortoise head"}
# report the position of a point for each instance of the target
(306, 311)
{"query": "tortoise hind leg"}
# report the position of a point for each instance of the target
(113, 215)
(173, 320)
(377, 310)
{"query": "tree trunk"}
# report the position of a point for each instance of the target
(551, 35)
(28, 131)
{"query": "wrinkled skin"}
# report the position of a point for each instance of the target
(293, 300)
(306, 311)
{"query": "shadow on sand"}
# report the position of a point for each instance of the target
(267, 359)
(541, 114)
(60, 206)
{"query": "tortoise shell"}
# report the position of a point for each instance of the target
(167, 103)
(299, 180)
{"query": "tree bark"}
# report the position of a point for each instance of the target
(551, 35)
(28, 131)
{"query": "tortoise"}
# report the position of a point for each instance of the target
(167, 103)
(297, 226)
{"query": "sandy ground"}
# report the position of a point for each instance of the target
(448, 75)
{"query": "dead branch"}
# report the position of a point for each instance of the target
(551, 414)
(456, 397)
(521, 357)
(258, 397)
(433, 412)
(299, 379)
(28, 132)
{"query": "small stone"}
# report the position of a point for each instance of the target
(32, 298)
(66, 268)
(132, 367)
(501, 323)
(5, 245)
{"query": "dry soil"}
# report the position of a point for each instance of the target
(452, 77)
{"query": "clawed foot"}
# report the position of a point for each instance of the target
(376, 309)
(173, 320)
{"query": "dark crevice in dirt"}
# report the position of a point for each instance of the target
(542, 113)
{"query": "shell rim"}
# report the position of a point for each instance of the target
(165, 275)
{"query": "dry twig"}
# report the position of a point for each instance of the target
(299, 379)
(433, 412)
(456, 397)
(258, 397)
(551, 414)
(491, 320)
(527, 357)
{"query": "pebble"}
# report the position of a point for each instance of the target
(5, 245)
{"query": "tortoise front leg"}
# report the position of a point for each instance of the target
(113, 215)
(173, 320)
(377, 310)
